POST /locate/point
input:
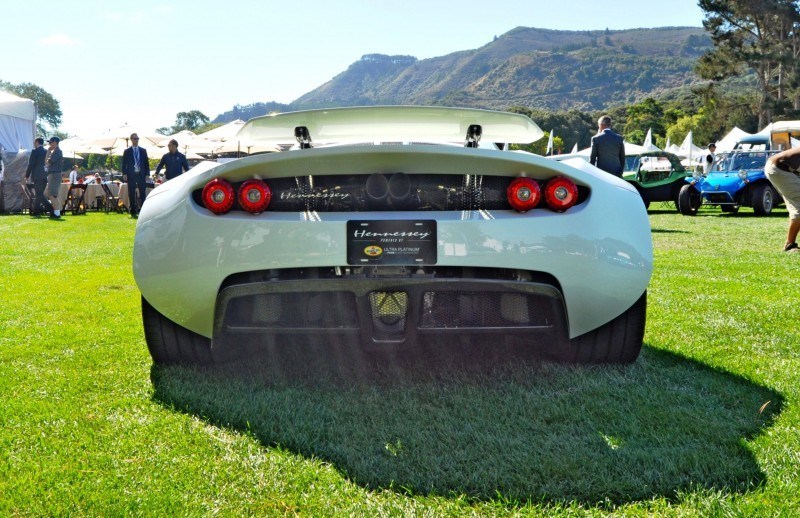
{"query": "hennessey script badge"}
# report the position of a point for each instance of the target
(315, 195)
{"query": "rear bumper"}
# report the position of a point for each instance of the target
(381, 312)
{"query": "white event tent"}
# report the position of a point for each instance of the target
(17, 122)
(727, 142)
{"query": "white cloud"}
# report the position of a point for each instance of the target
(58, 40)
(164, 9)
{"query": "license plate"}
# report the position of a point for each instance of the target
(398, 242)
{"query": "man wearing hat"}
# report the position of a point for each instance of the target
(53, 164)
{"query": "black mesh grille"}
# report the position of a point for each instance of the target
(293, 310)
(387, 306)
(447, 309)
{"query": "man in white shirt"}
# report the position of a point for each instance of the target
(710, 158)
(74, 176)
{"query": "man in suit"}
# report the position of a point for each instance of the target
(608, 148)
(136, 168)
(38, 175)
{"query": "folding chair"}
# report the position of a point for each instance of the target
(112, 203)
(30, 196)
(75, 195)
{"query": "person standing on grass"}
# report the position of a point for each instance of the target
(708, 160)
(53, 164)
(174, 162)
(136, 168)
(783, 170)
(38, 176)
(608, 148)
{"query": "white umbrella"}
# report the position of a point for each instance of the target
(161, 151)
(182, 134)
(120, 136)
(224, 132)
(78, 145)
(246, 147)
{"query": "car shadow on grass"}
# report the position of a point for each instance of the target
(516, 430)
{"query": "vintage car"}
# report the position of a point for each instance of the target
(657, 175)
(755, 142)
(736, 179)
(394, 229)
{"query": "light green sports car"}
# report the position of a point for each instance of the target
(393, 229)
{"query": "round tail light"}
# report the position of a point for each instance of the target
(560, 193)
(254, 196)
(218, 196)
(523, 194)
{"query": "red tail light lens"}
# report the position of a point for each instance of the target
(254, 196)
(523, 194)
(560, 193)
(218, 196)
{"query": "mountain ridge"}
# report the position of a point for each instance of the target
(526, 66)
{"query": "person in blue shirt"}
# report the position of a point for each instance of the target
(174, 162)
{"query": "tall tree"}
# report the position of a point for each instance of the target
(48, 110)
(754, 34)
(647, 115)
(190, 120)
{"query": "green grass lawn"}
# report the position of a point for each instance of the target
(706, 422)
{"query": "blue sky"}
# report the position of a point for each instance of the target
(110, 63)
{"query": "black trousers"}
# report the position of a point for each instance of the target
(40, 202)
(137, 191)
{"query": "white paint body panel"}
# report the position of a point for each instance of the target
(600, 251)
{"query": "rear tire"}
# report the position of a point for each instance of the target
(763, 199)
(689, 200)
(170, 343)
(618, 341)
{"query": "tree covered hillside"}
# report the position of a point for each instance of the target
(556, 70)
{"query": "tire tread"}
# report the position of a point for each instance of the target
(170, 343)
(617, 341)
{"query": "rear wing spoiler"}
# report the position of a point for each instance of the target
(391, 124)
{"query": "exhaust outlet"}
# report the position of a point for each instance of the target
(399, 189)
(377, 191)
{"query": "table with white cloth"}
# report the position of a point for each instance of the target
(93, 191)
(126, 199)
